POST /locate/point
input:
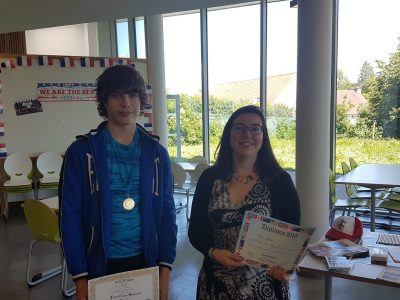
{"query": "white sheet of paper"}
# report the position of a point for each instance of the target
(267, 241)
(142, 284)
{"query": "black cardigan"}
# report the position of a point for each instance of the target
(285, 206)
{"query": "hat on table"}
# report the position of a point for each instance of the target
(345, 227)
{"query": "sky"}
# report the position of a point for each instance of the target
(368, 30)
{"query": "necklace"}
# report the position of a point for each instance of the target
(243, 178)
(128, 203)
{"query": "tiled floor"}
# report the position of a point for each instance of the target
(15, 238)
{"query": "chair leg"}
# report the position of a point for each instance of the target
(67, 291)
(331, 215)
(40, 277)
(35, 190)
(187, 205)
(6, 208)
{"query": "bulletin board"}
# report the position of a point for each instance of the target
(30, 123)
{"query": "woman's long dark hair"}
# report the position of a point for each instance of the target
(266, 164)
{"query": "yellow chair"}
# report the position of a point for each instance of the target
(18, 172)
(348, 204)
(43, 223)
(353, 163)
(393, 209)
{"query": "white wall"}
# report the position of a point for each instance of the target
(20, 15)
(69, 40)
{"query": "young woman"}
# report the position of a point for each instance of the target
(246, 176)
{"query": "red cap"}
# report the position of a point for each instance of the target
(345, 227)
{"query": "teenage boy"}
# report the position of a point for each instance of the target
(116, 191)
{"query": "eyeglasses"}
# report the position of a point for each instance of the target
(241, 129)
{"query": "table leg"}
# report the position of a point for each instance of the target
(328, 288)
(372, 209)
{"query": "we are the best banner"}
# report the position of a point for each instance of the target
(47, 92)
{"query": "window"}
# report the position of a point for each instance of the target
(183, 82)
(122, 38)
(368, 106)
(282, 81)
(140, 38)
(234, 64)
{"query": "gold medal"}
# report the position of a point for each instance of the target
(128, 204)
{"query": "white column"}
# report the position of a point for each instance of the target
(313, 111)
(155, 56)
(106, 39)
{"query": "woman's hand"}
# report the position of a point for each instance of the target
(279, 273)
(227, 258)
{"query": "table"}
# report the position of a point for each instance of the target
(188, 166)
(362, 269)
(373, 176)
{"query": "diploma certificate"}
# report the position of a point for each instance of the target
(142, 284)
(266, 241)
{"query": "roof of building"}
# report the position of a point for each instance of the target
(280, 89)
(250, 89)
(356, 100)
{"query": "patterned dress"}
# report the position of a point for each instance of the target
(245, 282)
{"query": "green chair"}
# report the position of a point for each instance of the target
(43, 223)
(342, 204)
(392, 206)
(18, 173)
(391, 196)
(353, 163)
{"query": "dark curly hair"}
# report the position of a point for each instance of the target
(120, 78)
(266, 164)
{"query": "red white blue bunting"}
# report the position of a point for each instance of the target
(63, 61)
(3, 150)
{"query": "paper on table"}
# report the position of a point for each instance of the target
(267, 241)
(365, 270)
(395, 254)
(390, 274)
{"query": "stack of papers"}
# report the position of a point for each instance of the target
(339, 248)
(338, 264)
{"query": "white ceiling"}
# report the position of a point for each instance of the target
(20, 15)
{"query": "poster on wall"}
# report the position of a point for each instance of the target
(48, 92)
(27, 106)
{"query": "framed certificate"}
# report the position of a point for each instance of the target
(266, 241)
(142, 284)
